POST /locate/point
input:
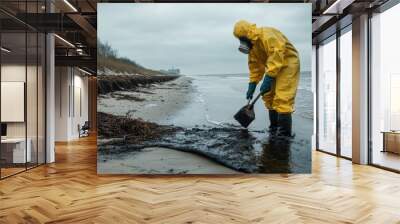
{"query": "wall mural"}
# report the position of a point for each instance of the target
(204, 88)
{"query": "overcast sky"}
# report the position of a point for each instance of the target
(197, 38)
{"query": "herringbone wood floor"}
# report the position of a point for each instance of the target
(69, 191)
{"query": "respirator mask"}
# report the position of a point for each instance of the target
(245, 45)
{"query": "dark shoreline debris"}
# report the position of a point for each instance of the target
(133, 131)
(231, 147)
(120, 96)
(236, 148)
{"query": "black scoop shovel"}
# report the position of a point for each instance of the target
(246, 114)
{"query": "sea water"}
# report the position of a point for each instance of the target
(216, 98)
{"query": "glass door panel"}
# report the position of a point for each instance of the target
(327, 96)
(346, 94)
(385, 89)
(14, 153)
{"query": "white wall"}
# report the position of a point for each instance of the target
(62, 81)
(33, 125)
(70, 83)
(16, 73)
(11, 73)
(79, 117)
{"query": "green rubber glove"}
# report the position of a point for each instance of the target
(250, 90)
(266, 85)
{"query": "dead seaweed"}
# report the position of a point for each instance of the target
(133, 131)
(120, 96)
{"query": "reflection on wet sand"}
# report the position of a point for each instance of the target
(276, 154)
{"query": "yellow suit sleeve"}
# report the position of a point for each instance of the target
(275, 56)
(256, 69)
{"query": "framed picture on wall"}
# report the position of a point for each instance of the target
(12, 101)
(171, 77)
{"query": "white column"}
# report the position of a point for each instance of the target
(50, 100)
(360, 90)
(314, 91)
(50, 92)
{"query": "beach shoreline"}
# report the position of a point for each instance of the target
(150, 103)
(194, 116)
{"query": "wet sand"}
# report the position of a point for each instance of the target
(154, 103)
(158, 160)
(204, 128)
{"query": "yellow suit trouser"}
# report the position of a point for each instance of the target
(282, 95)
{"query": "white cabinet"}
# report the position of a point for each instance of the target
(17, 147)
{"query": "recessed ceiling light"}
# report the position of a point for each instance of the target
(64, 40)
(86, 72)
(5, 50)
(70, 5)
(337, 7)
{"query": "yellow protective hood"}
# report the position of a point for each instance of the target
(245, 29)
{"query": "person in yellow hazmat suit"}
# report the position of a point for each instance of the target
(273, 59)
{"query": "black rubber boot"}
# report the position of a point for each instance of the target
(285, 125)
(273, 122)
